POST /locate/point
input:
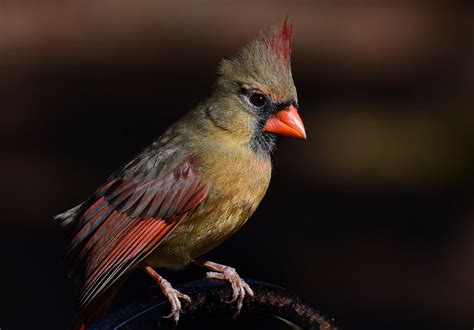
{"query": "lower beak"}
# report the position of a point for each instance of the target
(286, 122)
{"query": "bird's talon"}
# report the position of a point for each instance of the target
(184, 297)
(248, 289)
(231, 300)
(239, 287)
(169, 315)
(174, 297)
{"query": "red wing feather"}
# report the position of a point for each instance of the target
(126, 220)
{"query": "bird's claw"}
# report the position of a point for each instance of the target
(173, 297)
(239, 287)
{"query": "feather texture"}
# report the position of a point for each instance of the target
(160, 208)
(126, 220)
(278, 42)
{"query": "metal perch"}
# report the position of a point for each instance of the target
(209, 299)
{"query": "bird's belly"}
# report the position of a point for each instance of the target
(235, 194)
(199, 234)
(218, 218)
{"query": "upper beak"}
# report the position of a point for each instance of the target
(286, 122)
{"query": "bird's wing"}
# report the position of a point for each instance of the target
(126, 220)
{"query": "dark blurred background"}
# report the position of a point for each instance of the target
(371, 218)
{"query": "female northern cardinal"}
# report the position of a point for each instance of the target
(193, 187)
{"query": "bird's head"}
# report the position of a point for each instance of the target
(256, 92)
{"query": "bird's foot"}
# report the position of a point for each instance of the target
(170, 293)
(239, 287)
(173, 297)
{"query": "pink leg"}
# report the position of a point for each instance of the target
(169, 292)
(221, 272)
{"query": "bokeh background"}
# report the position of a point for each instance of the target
(372, 217)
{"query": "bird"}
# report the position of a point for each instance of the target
(192, 188)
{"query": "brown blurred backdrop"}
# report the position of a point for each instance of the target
(371, 217)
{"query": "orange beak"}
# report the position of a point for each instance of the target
(286, 122)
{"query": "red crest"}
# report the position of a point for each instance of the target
(279, 41)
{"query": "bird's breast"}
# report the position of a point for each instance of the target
(237, 187)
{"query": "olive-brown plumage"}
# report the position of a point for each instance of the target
(193, 187)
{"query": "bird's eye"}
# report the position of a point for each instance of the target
(258, 100)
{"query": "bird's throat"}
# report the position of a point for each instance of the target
(263, 143)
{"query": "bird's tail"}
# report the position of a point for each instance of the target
(97, 308)
(67, 218)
